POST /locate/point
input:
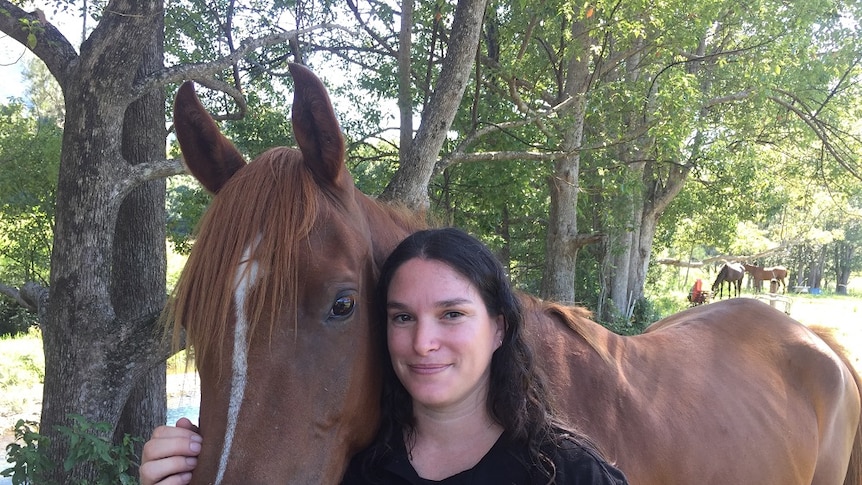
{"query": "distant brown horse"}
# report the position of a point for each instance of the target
(732, 274)
(778, 273)
(275, 302)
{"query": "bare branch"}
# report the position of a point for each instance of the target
(144, 172)
(31, 296)
(203, 72)
(380, 40)
(504, 156)
(15, 295)
(821, 129)
(740, 96)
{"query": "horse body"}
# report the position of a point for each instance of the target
(275, 302)
(704, 396)
(732, 274)
(760, 274)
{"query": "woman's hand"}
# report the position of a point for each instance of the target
(171, 454)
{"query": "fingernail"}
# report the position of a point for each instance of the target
(197, 437)
(195, 446)
(191, 461)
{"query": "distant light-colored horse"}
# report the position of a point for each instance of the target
(760, 274)
(275, 301)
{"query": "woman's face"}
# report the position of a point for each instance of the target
(440, 335)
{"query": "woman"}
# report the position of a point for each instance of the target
(462, 401)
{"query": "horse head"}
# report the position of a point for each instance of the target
(275, 298)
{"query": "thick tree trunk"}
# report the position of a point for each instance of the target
(107, 277)
(139, 262)
(815, 268)
(561, 244)
(623, 289)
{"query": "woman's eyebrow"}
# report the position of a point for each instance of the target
(396, 305)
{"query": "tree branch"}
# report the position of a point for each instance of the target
(820, 129)
(203, 72)
(34, 32)
(32, 296)
(144, 172)
(742, 95)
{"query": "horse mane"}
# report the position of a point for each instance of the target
(268, 206)
(574, 317)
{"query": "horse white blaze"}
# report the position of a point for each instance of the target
(244, 280)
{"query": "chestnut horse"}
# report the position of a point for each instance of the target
(732, 274)
(760, 274)
(275, 301)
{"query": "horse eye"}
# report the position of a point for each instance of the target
(343, 307)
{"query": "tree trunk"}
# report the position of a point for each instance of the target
(139, 262)
(619, 254)
(843, 264)
(107, 265)
(405, 84)
(410, 182)
(815, 271)
(561, 241)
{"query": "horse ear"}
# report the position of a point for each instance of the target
(210, 156)
(316, 128)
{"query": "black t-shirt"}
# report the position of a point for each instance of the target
(506, 463)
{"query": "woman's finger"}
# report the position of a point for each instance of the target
(176, 470)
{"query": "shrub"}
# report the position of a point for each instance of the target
(15, 319)
(87, 444)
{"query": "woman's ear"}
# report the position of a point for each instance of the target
(500, 321)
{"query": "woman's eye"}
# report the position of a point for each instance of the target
(343, 307)
(400, 318)
(452, 314)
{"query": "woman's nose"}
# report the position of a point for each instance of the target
(425, 338)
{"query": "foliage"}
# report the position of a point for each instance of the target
(30, 463)
(645, 312)
(719, 115)
(186, 202)
(87, 444)
(29, 154)
(15, 319)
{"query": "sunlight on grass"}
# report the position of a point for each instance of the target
(22, 373)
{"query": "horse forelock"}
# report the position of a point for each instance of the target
(269, 208)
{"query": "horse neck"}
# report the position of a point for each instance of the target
(389, 224)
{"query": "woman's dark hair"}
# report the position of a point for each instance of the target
(517, 397)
